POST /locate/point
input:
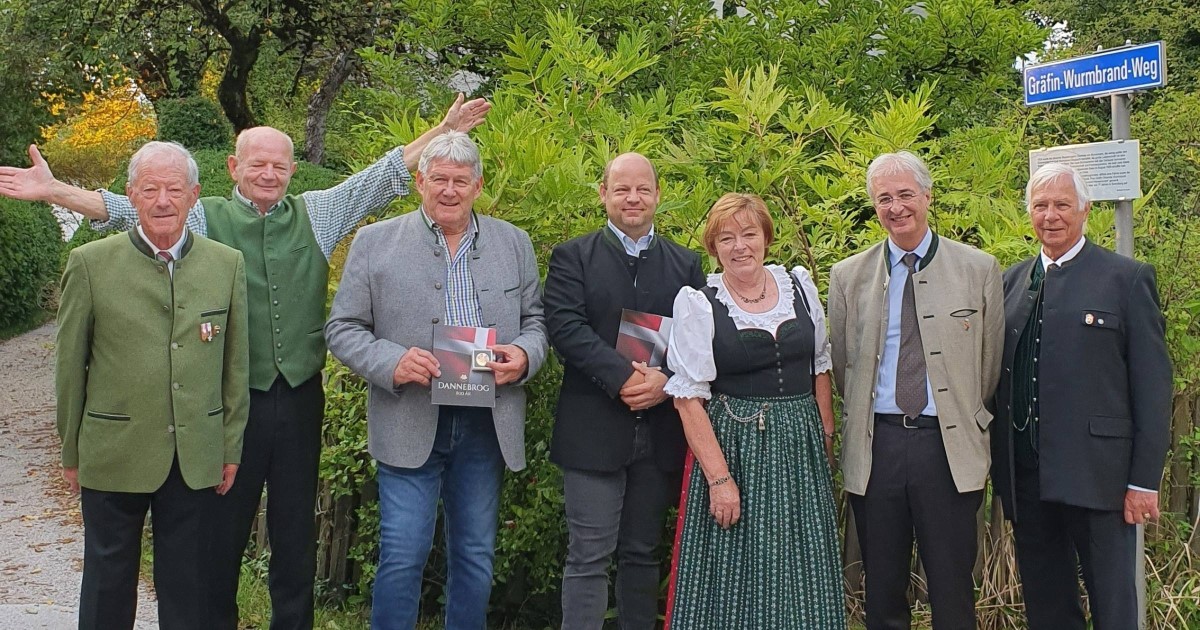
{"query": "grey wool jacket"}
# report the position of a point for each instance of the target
(391, 295)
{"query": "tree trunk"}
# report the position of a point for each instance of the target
(1176, 497)
(231, 92)
(322, 101)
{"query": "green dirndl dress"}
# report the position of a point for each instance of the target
(779, 567)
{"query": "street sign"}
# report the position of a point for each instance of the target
(1110, 72)
(1112, 170)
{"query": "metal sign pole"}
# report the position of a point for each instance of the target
(1124, 218)
(1124, 224)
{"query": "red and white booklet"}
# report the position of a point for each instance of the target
(643, 337)
(463, 353)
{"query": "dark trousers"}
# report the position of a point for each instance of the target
(622, 512)
(282, 449)
(911, 490)
(180, 518)
(1055, 540)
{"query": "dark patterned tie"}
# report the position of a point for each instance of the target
(1035, 279)
(911, 396)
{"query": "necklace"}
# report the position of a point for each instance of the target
(761, 296)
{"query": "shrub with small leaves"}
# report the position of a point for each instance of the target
(30, 242)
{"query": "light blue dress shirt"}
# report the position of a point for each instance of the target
(632, 247)
(885, 387)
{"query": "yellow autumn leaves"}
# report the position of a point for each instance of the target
(98, 134)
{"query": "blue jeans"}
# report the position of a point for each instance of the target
(464, 470)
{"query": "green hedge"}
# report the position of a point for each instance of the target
(195, 122)
(30, 246)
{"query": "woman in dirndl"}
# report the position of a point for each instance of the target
(757, 543)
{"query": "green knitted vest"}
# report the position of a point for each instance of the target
(287, 277)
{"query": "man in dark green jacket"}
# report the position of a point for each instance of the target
(153, 395)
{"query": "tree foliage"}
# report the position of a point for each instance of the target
(169, 45)
(32, 72)
(98, 135)
(195, 122)
(1111, 23)
(568, 96)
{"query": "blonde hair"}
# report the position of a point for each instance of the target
(727, 208)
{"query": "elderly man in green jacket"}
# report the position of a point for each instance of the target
(152, 378)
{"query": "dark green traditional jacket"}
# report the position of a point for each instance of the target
(137, 386)
(287, 276)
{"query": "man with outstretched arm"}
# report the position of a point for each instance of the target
(443, 264)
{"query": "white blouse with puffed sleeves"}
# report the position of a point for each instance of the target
(690, 353)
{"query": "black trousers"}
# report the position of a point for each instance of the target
(281, 448)
(181, 519)
(1054, 541)
(912, 491)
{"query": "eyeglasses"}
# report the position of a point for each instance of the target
(886, 201)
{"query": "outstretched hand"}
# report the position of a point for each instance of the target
(30, 184)
(465, 116)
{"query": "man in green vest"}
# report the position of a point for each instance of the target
(286, 240)
(152, 384)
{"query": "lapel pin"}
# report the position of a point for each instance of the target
(1089, 319)
(206, 333)
(966, 324)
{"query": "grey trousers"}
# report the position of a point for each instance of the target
(621, 511)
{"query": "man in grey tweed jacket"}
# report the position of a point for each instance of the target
(442, 264)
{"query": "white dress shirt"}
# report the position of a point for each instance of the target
(172, 250)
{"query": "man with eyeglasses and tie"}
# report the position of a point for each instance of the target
(1082, 413)
(917, 326)
(152, 378)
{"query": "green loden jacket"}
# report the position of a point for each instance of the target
(137, 383)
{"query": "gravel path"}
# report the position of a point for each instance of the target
(41, 532)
